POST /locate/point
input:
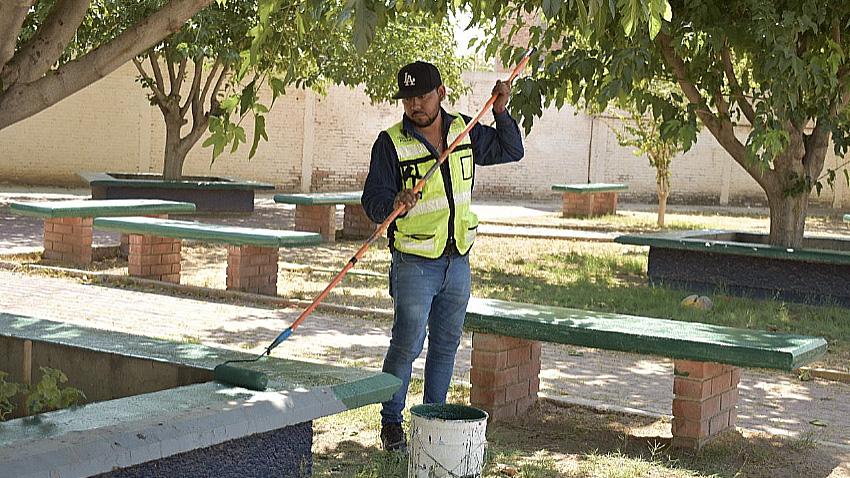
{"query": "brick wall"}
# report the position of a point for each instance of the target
(323, 144)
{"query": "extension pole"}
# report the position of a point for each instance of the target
(386, 224)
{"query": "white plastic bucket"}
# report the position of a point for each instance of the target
(446, 441)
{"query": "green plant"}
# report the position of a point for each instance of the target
(45, 395)
(7, 391)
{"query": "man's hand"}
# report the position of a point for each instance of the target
(406, 197)
(503, 90)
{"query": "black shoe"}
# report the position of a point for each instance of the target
(392, 437)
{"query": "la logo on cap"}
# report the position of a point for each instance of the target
(409, 80)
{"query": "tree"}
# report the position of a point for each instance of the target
(643, 133)
(779, 66)
(35, 70)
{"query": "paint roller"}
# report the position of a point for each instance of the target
(256, 380)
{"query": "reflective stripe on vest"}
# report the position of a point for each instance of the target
(425, 229)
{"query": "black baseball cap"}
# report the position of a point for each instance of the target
(416, 79)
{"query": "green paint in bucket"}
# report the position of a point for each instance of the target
(446, 440)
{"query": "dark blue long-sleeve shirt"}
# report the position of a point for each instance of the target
(502, 144)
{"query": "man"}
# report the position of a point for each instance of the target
(430, 240)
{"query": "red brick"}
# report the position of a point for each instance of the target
(495, 343)
(519, 355)
(697, 370)
(528, 371)
(695, 389)
(721, 383)
(696, 410)
(492, 378)
(516, 391)
(697, 429)
(480, 396)
(718, 423)
(491, 360)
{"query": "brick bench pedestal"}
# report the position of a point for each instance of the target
(590, 204)
(705, 399)
(356, 224)
(504, 374)
(155, 257)
(68, 239)
(587, 200)
(321, 219)
(252, 269)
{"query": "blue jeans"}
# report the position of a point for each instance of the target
(432, 293)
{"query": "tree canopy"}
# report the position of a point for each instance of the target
(37, 71)
(779, 66)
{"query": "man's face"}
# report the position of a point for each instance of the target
(423, 109)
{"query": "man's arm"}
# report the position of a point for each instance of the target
(383, 181)
(502, 144)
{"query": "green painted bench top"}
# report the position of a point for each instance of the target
(240, 236)
(320, 199)
(666, 338)
(589, 188)
(815, 249)
(148, 179)
(101, 208)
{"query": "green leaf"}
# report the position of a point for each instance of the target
(365, 23)
(259, 132)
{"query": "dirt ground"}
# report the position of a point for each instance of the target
(572, 441)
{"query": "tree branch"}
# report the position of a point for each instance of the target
(157, 72)
(157, 91)
(737, 92)
(193, 100)
(44, 49)
(722, 129)
(208, 83)
(12, 16)
(24, 100)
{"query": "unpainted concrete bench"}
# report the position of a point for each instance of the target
(68, 224)
(252, 253)
(585, 200)
(506, 346)
(153, 408)
(316, 212)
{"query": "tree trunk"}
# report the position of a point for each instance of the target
(663, 193)
(787, 218)
(175, 150)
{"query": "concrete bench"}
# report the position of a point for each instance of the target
(506, 347)
(68, 224)
(585, 200)
(316, 212)
(252, 253)
(153, 407)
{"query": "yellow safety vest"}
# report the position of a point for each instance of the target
(425, 229)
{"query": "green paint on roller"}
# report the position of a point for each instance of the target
(250, 379)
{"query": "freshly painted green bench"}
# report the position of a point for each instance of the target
(68, 224)
(155, 246)
(594, 199)
(506, 358)
(316, 212)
